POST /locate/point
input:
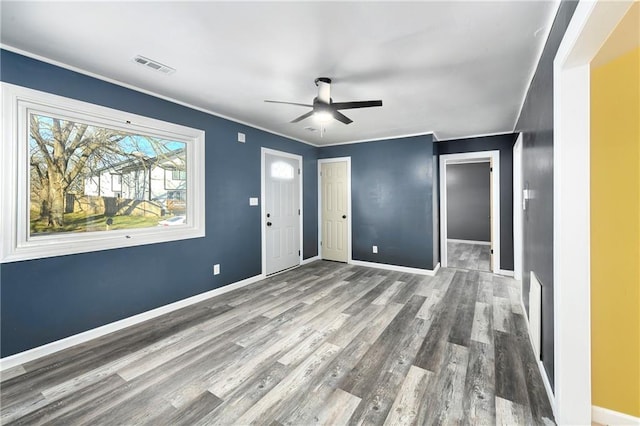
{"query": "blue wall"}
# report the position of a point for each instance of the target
(469, 201)
(536, 124)
(391, 199)
(48, 299)
(504, 144)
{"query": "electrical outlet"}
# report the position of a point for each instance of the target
(216, 269)
(375, 249)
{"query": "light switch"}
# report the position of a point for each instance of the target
(253, 201)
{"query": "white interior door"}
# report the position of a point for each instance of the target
(335, 226)
(282, 212)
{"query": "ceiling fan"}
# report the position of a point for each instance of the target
(323, 106)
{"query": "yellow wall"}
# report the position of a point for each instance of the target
(615, 233)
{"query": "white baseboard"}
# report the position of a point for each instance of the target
(547, 387)
(543, 372)
(614, 418)
(504, 272)
(436, 269)
(85, 336)
(405, 269)
(309, 260)
(454, 240)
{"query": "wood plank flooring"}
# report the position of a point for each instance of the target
(326, 343)
(468, 256)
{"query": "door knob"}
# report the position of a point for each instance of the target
(268, 223)
(344, 216)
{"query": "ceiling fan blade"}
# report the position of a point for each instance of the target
(302, 117)
(341, 117)
(356, 104)
(290, 103)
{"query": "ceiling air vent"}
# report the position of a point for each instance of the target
(155, 65)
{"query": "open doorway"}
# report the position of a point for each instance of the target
(470, 211)
(469, 215)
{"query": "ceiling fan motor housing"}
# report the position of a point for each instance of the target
(322, 80)
(318, 105)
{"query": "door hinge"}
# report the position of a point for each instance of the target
(490, 169)
(298, 212)
(298, 171)
(298, 252)
(491, 251)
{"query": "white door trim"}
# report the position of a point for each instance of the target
(263, 213)
(471, 157)
(590, 26)
(335, 160)
(517, 209)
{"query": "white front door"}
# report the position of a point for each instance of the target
(282, 212)
(334, 201)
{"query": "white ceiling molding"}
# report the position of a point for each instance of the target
(455, 68)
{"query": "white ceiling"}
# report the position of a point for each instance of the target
(455, 68)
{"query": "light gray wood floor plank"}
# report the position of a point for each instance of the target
(325, 343)
(410, 398)
(283, 398)
(433, 347)
(338, 409)
(468, 255)
(478, 402)
(245, 396)
(444, 400)
(381, 394)
(340, 367)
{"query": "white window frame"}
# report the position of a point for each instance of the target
(16, 244)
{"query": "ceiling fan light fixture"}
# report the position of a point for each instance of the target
(323, 116)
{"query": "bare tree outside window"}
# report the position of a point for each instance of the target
(85, 177)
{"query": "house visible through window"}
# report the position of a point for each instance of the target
(99, 171)
(78, 153)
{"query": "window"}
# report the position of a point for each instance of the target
(282, 170)
(116, 182)
(178, 175)
(80, 177)
(176, 195)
